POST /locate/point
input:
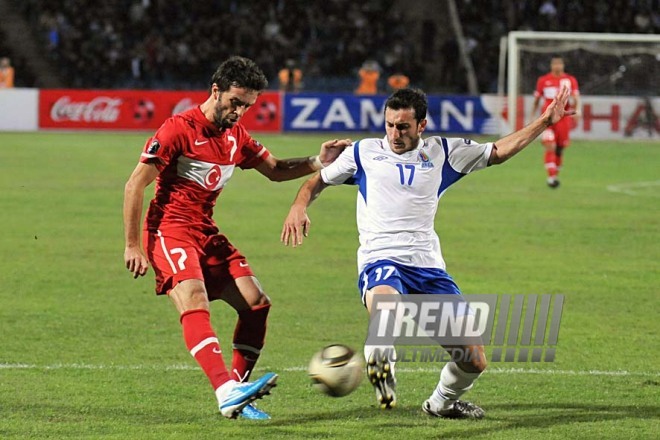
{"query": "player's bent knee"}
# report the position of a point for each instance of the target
(378, 290)
(474, 360)
(189, 295)
(262, 300)
(246, 293)
(257, 298)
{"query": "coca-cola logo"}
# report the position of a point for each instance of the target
(183, 105)
(99, 109)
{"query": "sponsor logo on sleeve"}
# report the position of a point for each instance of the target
(153, 147)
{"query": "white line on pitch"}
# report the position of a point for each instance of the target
(631, 188)
(497, 370)
(191, 367)
(182, 367)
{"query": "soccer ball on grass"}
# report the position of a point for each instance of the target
(336, 370)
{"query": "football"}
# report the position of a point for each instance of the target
(336, 370)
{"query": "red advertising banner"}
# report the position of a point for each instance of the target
(139, 109)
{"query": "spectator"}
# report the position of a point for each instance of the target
(6, 74)
(369, 74)
(290, 77)
(398, 81)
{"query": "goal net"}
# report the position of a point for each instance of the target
(618, 77)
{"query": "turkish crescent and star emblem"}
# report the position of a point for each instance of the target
(213, 177)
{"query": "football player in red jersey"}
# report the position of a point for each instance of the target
(191, 157)
(556, 137)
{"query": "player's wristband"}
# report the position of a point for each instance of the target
(315, 162)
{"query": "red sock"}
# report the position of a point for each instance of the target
(248, 341)
(558, 160)
(203, 345)
(551, 163)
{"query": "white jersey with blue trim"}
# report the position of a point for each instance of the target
(398, 194)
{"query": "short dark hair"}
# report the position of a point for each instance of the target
(409, 98)
(239, 72)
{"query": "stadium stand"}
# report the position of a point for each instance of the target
(165, 44)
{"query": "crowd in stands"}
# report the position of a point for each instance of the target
(170, 44)
(152, 43)
(484, 22)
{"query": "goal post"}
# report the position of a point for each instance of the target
(603, 63)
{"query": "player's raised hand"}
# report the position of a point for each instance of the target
(136, 262)
(330, 150)
(557, 108)
(296, 226)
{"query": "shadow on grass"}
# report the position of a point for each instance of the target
(507, 420)
(499, 418)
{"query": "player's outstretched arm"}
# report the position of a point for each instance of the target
(134, 258)
(280, 170)
(510, 145)
(297, 223)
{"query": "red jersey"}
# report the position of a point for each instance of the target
(195, 160)
(549, 85)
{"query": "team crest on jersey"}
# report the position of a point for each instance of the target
(213, 177)
(153, 147)
(426, 160)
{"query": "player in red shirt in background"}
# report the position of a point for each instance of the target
(191, 157)
(556, 137)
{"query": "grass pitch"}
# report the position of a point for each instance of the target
(88, 352)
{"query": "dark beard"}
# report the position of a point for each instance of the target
(222, 124)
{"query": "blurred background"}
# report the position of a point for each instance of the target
(157, 44)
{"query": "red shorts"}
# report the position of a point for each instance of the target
(558, 134)
(177, 255)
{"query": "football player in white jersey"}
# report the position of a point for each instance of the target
(400, 179)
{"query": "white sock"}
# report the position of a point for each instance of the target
(387, 350)
(224, 389)
(454, 382)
